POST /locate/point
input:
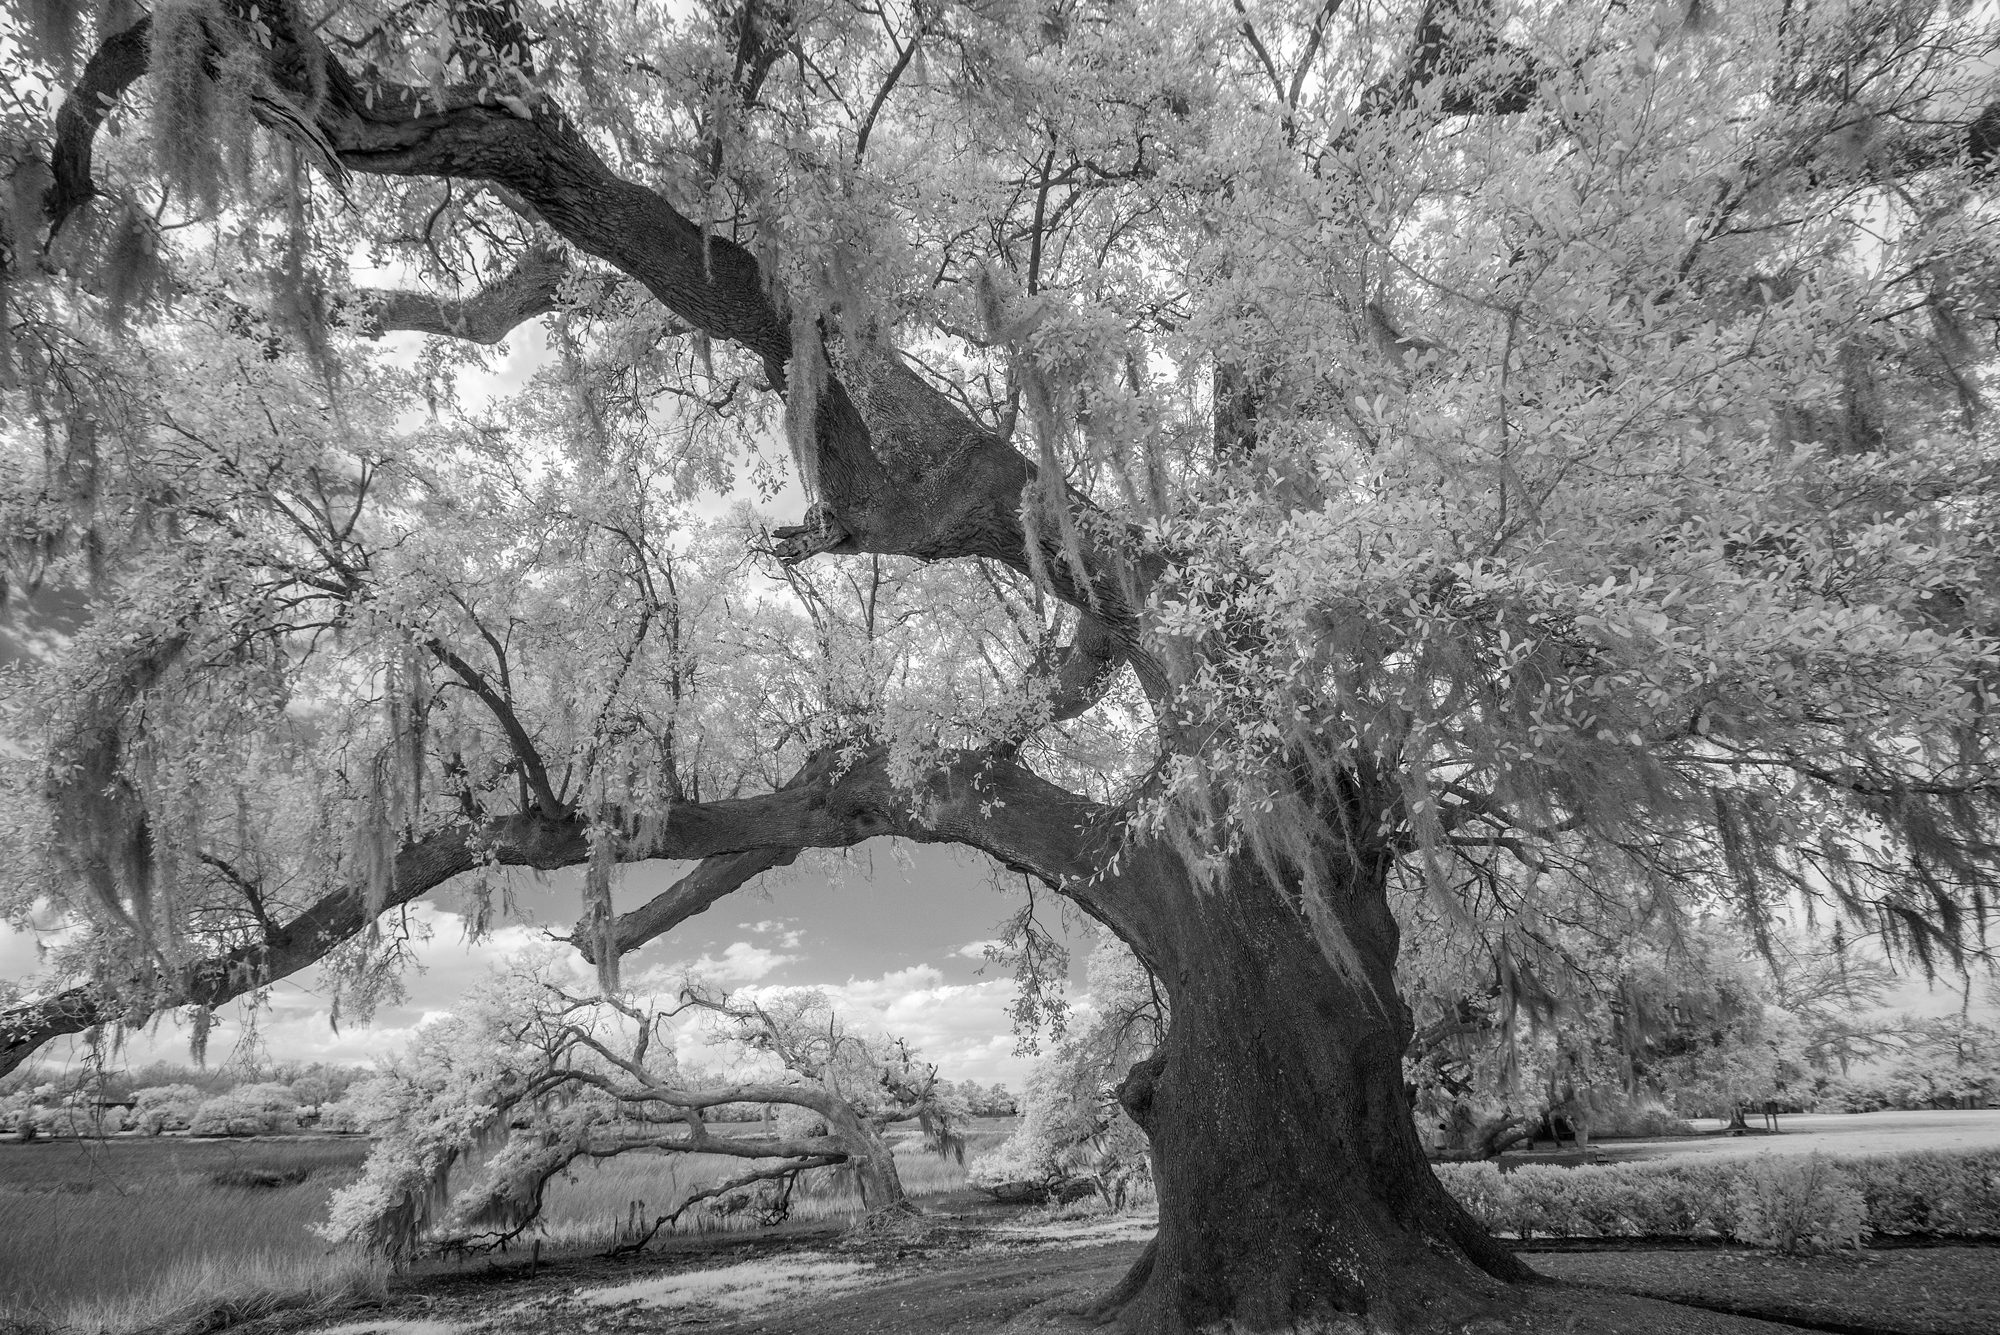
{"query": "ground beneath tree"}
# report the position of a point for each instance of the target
(969, 1277)
(1928, 1291)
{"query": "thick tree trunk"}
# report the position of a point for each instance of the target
(873, 1162)
(1293, 1188)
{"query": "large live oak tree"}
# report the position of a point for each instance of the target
(1482, 450)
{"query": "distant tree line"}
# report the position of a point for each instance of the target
(234, 1100)
(41, 1099)
(1617, 1025)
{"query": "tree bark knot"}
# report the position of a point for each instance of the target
(821, 532)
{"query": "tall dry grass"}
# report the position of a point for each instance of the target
(105, 1237)
(117, 1235)
(595, 1205)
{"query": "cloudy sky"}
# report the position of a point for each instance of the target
(893, 932)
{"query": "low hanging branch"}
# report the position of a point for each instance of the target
(832, 803)
(531, 1079)
(787, 1173)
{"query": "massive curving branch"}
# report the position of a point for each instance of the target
(902, 471)
(1079, 674)
(293, 945)
(984, 800)
(115, 66)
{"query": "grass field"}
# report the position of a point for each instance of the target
(108, 1235)
(112, 1235)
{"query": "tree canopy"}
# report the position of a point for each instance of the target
(1239, 460)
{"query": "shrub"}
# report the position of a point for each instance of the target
(1851, 1096)
(250, 1110)
(347, 1117)
(1483, 1190)
(1797, 1205)
(14, 1111)
(75, 1119)
(165, 1108)
(1929, 1191)
(1683, 1200)
(1638, 1121)
(1792, 1204)
(56, 1121)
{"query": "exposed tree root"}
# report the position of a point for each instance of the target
(891, 1223)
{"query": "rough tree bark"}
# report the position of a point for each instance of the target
(1292, 1185)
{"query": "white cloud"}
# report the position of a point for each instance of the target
(964, 1027)
(976, 950)
(740, 963)
(788, 937)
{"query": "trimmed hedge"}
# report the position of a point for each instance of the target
(1790, 1203)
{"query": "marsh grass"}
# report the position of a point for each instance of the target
(595, 1205)
(104, 1237)
(173, 1234)
(119, 1234)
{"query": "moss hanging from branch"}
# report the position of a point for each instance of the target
(806, 383)
(600, 918)
(374, 841)
(188, 127)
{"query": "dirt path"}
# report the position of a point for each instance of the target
(974, 1298)
(947, 1282)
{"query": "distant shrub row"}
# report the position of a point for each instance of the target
(1790, 1203)
(246, 1110)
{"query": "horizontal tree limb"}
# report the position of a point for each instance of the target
(532, 287)
(982, 800)
(711, 880)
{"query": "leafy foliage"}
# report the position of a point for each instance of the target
(1073, 1128)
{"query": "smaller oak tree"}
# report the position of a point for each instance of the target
(528, 1079)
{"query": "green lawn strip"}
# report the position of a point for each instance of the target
(1929, 1291)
